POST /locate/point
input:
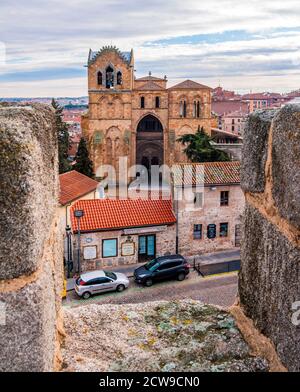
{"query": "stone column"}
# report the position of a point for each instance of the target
(30, 242)
(269, 281)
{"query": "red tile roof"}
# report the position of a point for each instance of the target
(223, 107)
(74, 185)
(110, 214)
(188, 84)
(215, 173)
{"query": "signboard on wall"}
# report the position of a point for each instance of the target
(145, 230)
(90, 252)
(128, 248)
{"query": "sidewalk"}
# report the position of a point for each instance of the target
(208, 258)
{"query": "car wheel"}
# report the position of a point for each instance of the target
(120, 288)
(181, 276)
(86, 295)
(148, 282)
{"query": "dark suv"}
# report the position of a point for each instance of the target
(161, 268)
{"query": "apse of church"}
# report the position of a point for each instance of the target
(139, 118)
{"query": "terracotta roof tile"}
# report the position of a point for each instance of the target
(74, 185)
(109, 214)
(215, 173)
(188, 84)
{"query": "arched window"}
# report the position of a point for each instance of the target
(157, 102)
(99, 78)
(184, 108)
(142, 102)
(181, 109)
(109, 77)
(198, 109)
(119, 77)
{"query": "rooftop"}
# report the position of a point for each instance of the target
(215, 173)
(188, 84)
(150, 85)
(74, 185)
(111, 214)
(147, 78)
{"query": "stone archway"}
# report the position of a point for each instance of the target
(149, 142)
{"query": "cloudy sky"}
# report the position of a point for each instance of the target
(243, 45)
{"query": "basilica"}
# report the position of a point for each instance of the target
(139, 118)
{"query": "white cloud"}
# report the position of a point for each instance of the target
(42, 35)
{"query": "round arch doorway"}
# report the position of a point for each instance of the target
(149, 142)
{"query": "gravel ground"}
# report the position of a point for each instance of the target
(169, 336)
(218, 290)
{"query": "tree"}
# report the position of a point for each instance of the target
(199, 148)
(83, 163)
(62, 137)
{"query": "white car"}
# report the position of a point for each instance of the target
(96, 282)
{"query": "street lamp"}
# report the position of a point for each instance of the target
(69, 251)
(78, 214)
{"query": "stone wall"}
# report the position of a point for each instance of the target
(210, 213)
(30, 246)
(165, 244)
(269, 281)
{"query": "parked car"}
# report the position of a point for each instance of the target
(96, 282)
(161, 268)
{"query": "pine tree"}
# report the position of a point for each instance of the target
(199, 148)
(83, 163)
(62, 137)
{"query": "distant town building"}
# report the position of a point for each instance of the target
(264, 100)
(234, 122)
(219, 94)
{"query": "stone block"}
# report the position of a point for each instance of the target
(28, 339)
(286, 163)
(29, 185)
(269, 284)
(255, 149)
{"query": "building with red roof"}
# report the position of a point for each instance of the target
(127, 231)
(74, 186)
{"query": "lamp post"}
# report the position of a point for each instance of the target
(78, 214)
(69, 251)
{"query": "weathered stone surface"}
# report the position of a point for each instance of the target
(29, 185)
(269, 283)
(255, 149)
(28, 339)
(157, 336)
(286, 163)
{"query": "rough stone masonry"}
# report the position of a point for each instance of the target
(269, 280)
(30, 253)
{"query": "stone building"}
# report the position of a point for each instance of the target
(209, 208)
(115, 232)
(139, 118)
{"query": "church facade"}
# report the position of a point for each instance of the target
(139, 118)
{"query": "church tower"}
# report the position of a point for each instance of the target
(107, 125)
